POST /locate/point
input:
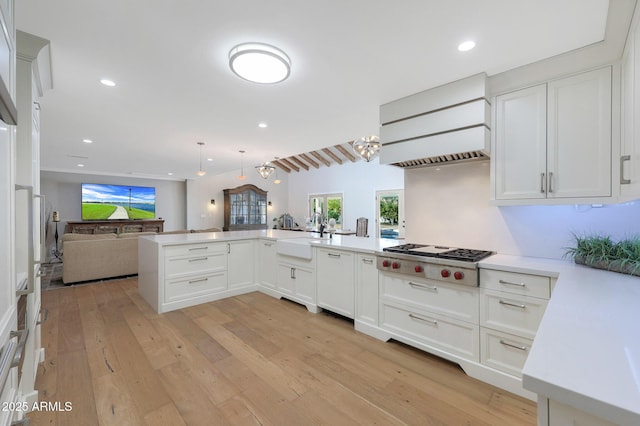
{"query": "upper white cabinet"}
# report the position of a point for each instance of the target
(553, 141)
(630, 151)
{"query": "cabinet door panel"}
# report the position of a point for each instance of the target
(520, 151)
(366, 289)
(579, 135)
(240, 263)
(286, 283)
(335, 272)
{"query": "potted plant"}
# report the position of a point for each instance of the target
(602, 252)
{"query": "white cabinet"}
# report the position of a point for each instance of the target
(297, 281)
(366, 289)
(553, 141)
(629, 179)
(565, 415)
(267, 264)
(240, 263)
(336, 281)
(511, 308)
(431, 315)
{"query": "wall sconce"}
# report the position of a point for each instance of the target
(213, 202)
(269, 204)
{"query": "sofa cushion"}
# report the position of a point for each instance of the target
(134, 234)
(79, 237)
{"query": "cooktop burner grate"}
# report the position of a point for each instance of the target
(465, 255)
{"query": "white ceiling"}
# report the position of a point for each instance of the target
(169, 59)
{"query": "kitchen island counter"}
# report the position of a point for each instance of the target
(586, 353)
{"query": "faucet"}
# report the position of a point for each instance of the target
(320, 223)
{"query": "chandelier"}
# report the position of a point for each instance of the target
(265, 170)
(367, 147)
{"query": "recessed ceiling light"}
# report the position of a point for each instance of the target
(259, 63)
(107, 82)
(170, 174)
(466, 45)
(80, 165)
(209, 159)
(87, 141)
(262, 125)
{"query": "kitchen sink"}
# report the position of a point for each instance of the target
(299, 247)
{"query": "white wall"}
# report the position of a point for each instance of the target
(63, 193)
(358, 182)
(201, 214)
(450, 207)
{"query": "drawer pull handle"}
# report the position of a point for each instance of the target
(510, 283)
(199, 248)
(268, 244)
(427, 320)
(197, 259)
(198, 281)
(515, 305)
(424, 287)
(624, 181)
(368, 261)
(337, 256)
(511, 345)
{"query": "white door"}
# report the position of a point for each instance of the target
(390, 214)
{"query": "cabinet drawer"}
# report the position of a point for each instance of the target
(504, 352)
(511, 313)
(452, 300)
(512, 282)
(178, 266)
(450, 335)
(195, 286)
(195, 249)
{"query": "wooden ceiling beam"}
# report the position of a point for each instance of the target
(281, 166)
(333, 156)
(289, 164)
(309, 160)
(298, 161)
(346, 153)
(321, 158)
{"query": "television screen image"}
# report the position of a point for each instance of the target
(112, 202)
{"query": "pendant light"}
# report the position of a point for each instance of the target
(367, 147)
(201, 172)
(265, 170)
(277, 179)
(242, 176)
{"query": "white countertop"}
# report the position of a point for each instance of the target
(344, 242)
(587, 349)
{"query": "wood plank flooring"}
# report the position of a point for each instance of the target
(247, 360)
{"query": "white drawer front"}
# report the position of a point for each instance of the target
(179, 266)
(525, 284)
(195, 286)
(456, 301)
(197, 249)
(504, 352)
(450, 335)
(511, 313)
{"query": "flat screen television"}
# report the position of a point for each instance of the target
(116, 202)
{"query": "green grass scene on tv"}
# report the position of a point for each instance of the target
(107, 202)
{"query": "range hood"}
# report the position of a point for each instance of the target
(446, 124)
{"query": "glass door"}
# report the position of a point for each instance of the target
(390, 214)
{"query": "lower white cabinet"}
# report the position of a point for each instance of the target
(511, 308)
(565, 415)
(297, 280)
(336, 281)
(240, 263)
(366, 309)
(267, 264)
(432, 313)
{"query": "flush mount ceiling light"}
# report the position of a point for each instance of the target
(466, 45)
(259, 63)
(201, 172)
(265, 170)
(367, 147)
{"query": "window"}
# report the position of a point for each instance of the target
(390, 213)
(327, 205)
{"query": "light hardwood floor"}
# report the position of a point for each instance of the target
(247, 360)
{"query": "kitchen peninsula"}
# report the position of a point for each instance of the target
(584, 360)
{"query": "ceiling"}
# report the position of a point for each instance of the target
(169, 59)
